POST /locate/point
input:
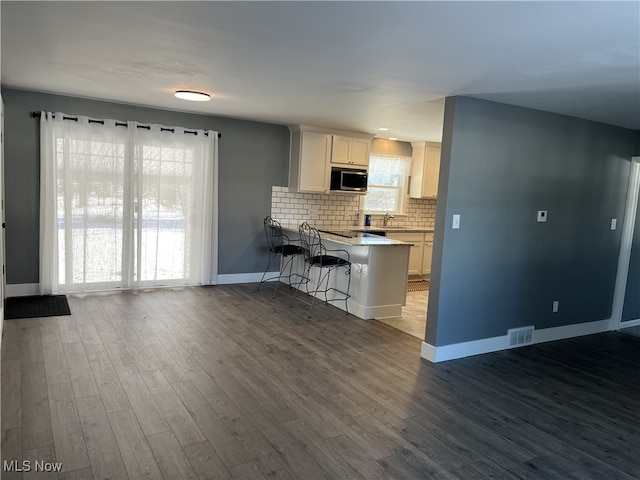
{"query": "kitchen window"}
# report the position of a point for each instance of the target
(388, 184)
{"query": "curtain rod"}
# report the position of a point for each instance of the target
(122, 124)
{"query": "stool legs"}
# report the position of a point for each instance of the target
(326, 279)
(286, 261)
(262, 280)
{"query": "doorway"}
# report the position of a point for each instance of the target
(629, 226)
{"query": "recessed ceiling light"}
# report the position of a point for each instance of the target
(193, 96)
(383, 129)
(392, 138)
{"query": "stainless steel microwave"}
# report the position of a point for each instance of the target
(348, 179)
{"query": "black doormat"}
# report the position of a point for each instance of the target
(36, 306)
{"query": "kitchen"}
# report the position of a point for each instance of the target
(407, 215)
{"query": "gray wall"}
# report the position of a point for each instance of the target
(253, 156)
(502, 269)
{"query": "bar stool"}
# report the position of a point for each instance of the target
(317, 255)
(279, 247)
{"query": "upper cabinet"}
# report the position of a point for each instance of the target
(425, 170)
(350, 150)
(310, 155)
(315, 150)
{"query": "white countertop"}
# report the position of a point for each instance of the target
(392, 229)
(362, 240)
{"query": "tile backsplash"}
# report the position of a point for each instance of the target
(341, 211)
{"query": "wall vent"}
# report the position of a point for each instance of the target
(520, 336)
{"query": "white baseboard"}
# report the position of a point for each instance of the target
(496, 344)
(26, 289)
(231, 278)
(570, 331)
(371, 312)
(22, 289)
(461, 350)
(630, 323)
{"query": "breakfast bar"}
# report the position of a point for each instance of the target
(378, 272)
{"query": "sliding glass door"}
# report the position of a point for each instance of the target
(90, 211)
(167, 210)
(132, 206)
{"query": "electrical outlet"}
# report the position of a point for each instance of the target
(456, 222)
(556, 306)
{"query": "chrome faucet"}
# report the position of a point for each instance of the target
(388, 216)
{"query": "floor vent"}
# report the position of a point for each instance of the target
(520, 336)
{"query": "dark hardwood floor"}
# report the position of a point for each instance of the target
(228, 383)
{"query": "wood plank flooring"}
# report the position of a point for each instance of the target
(228, 383)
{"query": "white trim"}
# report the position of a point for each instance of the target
(231, 278)
(624, 257)
(377, 312)
(630, 323)
(428, 352)
(22, 289)
(496, 344)
(464, 349)
(570, 331)
(382, 312)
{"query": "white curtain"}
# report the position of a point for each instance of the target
(125, 207)
(388, 177)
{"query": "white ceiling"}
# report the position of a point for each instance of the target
(350, 65)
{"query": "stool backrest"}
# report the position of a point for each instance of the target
(310, 241)
(273, 232)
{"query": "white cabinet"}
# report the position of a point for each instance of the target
(421, 251)
(350, 151)
(415, 254)
(315, 150)
(310, 154)
(427, 253)
(425, 170)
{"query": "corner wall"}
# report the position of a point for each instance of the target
(253, 156)
(502, 269)
(631, 309)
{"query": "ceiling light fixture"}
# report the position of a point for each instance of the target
(392, 138)
(193, 96)
(383, 129)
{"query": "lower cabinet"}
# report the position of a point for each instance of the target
(427, 252)
(419, 257)
(415, 259)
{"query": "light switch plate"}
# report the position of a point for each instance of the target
(614, 222)
(456, 222)
(542, 215)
